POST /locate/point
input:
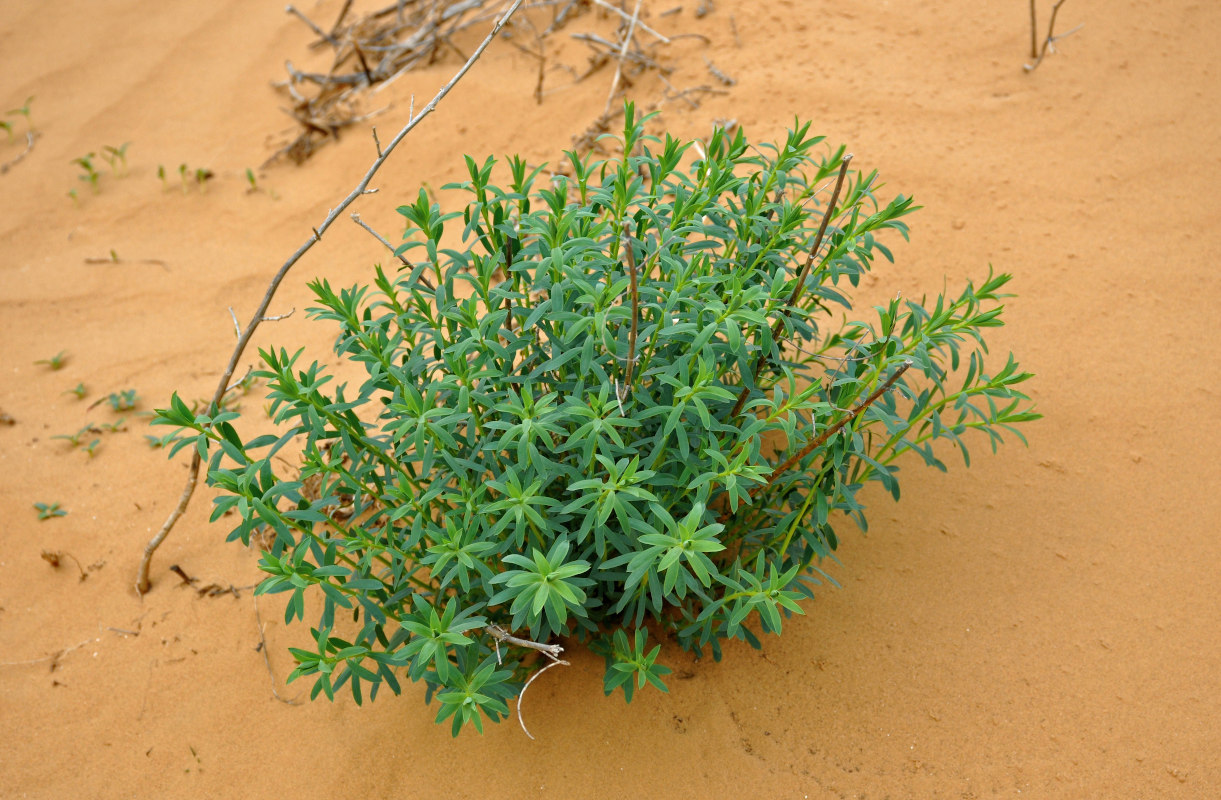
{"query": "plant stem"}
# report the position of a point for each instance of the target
(822, 438)
(631, 339)
(142, 579)
(799, 288)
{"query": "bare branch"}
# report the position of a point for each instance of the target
(427, 284)
(142, 579)
(498, 633)
(30, 138)
(641, 25)
(1049, 44)
(522, 696)
(320, 33)
(627, 40)
(279, 317)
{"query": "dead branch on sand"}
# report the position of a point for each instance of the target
(372, 49)
(1049, 44)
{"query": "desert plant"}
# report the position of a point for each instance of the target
(77, 439)
(116, 157)
(56, 361)
(124, 400)
(615, 403)
(79, 391)
(90, 175)
(24, 111)
(49, 510)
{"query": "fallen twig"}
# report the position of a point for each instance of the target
(716, 73)
(552, 651)
(522, 695)
(627, 40)
(53, 658)
(30, 138)
(271, 676)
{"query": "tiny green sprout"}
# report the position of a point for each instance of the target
(49, 510)
(182, 173)
(91, 448)
(161, 175)
(8, 129)
(116, 157)
(76, 199)
(78, 390)
(24, 111)
(124, 400)
(112, 427)
(75, 439)
(114, 257)
(250, 179)
(202, 176)
(56, 361)
(91, 175)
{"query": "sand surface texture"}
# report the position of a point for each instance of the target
(1045, 623)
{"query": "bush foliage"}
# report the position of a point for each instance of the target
(621, 403)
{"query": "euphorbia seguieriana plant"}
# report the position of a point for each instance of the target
(618, 403)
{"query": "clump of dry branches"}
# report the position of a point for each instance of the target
(374, 49)
(366, 50)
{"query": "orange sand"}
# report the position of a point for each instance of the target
(1045, 623)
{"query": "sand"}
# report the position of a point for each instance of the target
(1044, 624)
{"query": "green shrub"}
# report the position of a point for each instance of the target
(616, 405)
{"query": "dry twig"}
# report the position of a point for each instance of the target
(1049, 44)
(551, 651)
(30, 138)
(271, 676)
(374, 49)
(627, 40)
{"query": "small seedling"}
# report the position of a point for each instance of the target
(91, 448)
(8, 129)
(91, 175)
(182, 173)
(78, 390)
(114, 257)
(254, 184)
(116, 157)
(202, 176)
(124, 400)
(112, 427)
(75, 439)
(25, 112)
(161, 176)
(49, 510)
(56, 361)
(76, 199)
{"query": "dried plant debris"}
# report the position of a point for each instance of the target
(369, 51)
(375, 48)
